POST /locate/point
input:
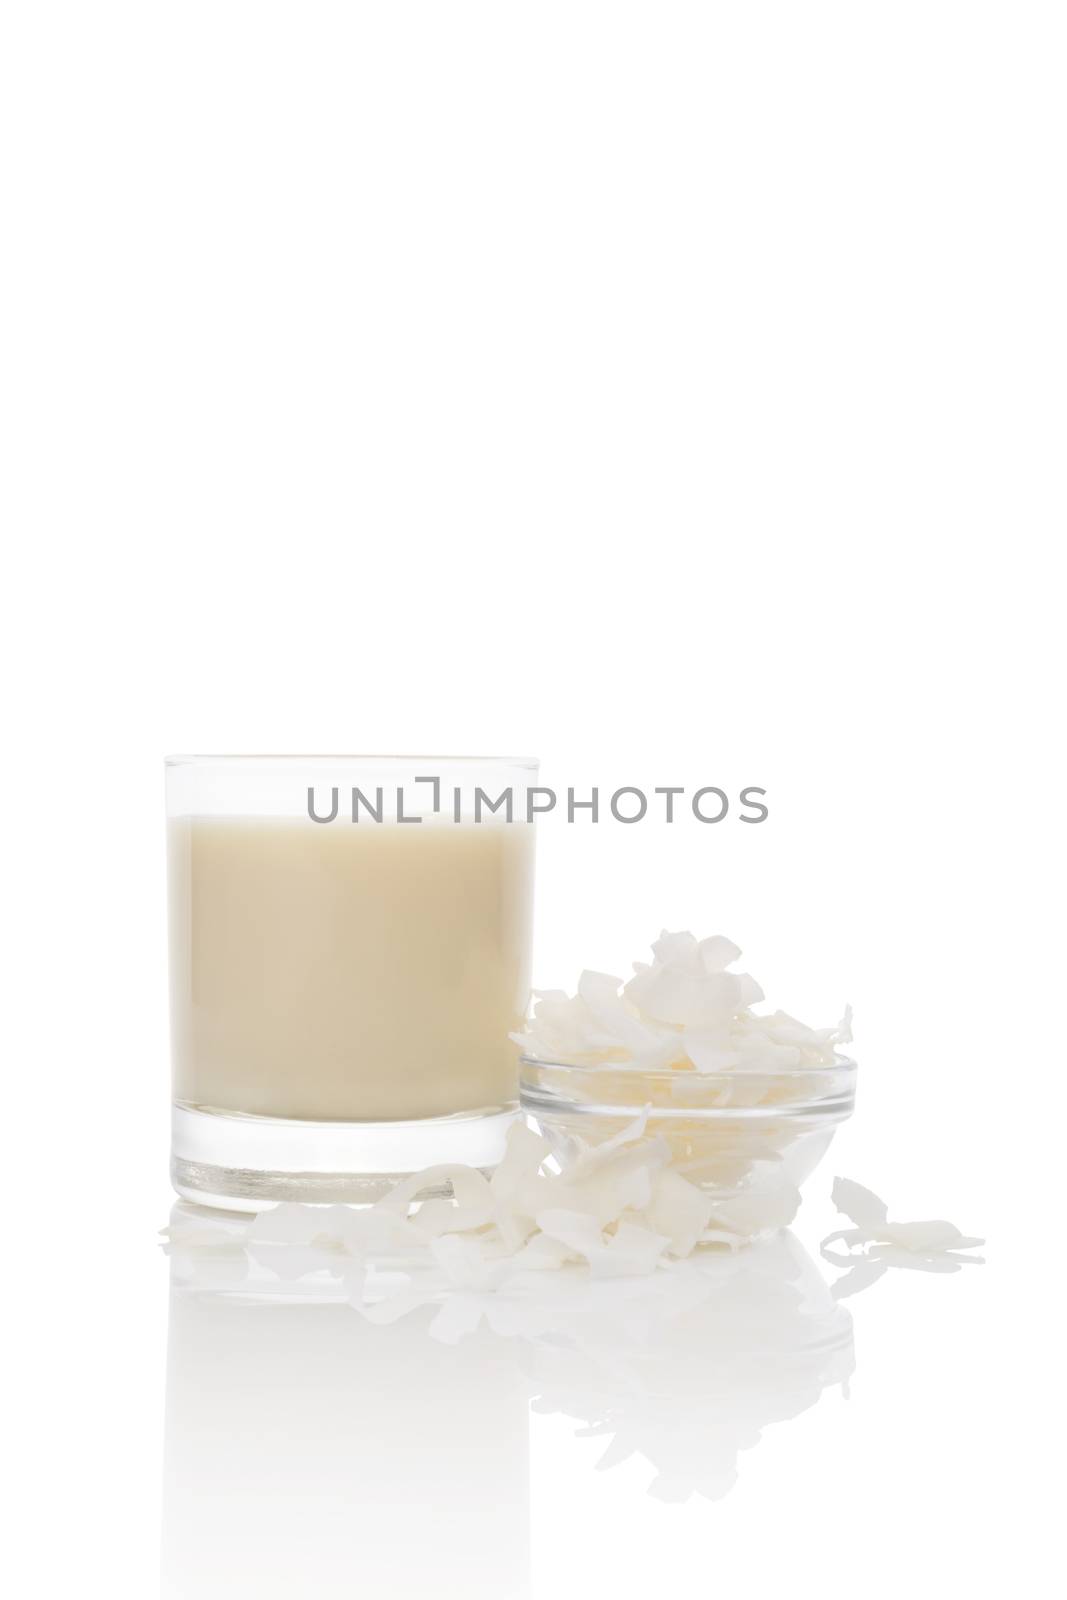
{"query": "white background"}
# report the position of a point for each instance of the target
(671, 391)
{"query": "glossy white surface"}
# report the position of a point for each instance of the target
(726, 1421)
(674, 391)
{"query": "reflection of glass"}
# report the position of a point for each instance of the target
(316, 1410)
(309, 1451)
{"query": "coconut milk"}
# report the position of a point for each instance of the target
(357, 973)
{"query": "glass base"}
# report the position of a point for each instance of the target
(243, 1163)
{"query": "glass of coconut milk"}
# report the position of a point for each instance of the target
(349, 950)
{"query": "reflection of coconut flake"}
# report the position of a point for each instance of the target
(681, 1372)
(684, 1370)
(682, 1009)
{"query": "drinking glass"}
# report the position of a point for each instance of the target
(349, 951)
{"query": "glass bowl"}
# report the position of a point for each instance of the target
(748, 1139)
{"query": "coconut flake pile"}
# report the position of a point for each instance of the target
(684, 1009)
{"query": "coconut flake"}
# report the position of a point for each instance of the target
(760, 1210)
(718, 953)
(400, 1198)
(600, 1154)
(543, 1253)
(680, 1211)
(525, 1153)
(472, 1206)
(928, 1246)
(709, 1049)
(599, 992)
(468, 1262)
(860, 1205)
(632, 1250)
(680, 948)
(290, 1223)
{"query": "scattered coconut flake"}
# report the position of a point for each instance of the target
(679, 1211)
(879, 1244)
(631, 1251)
(618, 1209)
(467, 1261)
(762, 1210)
(472, 1206)
(291, 1223)
(543, 1253)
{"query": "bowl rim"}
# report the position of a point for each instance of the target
(830, 1096)
(841, 1063)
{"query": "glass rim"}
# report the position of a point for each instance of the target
(233, 759)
